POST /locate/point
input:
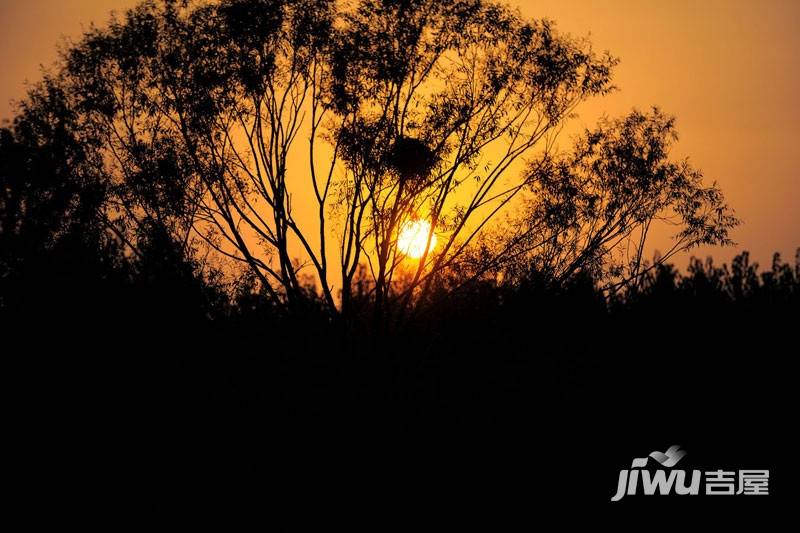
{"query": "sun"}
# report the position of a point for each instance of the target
(413, 238)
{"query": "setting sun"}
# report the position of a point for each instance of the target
(413, 238)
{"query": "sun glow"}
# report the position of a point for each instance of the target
(413, 238)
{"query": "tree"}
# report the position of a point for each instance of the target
(50, 223)
(210, 123)
(197, 109)
(61, 257)
(590, 210)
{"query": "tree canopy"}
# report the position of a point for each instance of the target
(206, 127)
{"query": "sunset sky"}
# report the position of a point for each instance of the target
(729, 71)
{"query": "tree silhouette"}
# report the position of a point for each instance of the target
(60, 253)
(50, 228)
(590, 210)
(196, 109)
(207, 124)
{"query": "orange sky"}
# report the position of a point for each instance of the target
(729, 70)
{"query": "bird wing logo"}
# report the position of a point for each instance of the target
(667, 459)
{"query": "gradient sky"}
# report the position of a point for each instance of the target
(729, 70)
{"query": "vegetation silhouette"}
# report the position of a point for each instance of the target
(147, 224)
(203, 123)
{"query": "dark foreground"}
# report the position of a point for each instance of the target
(500, 410)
